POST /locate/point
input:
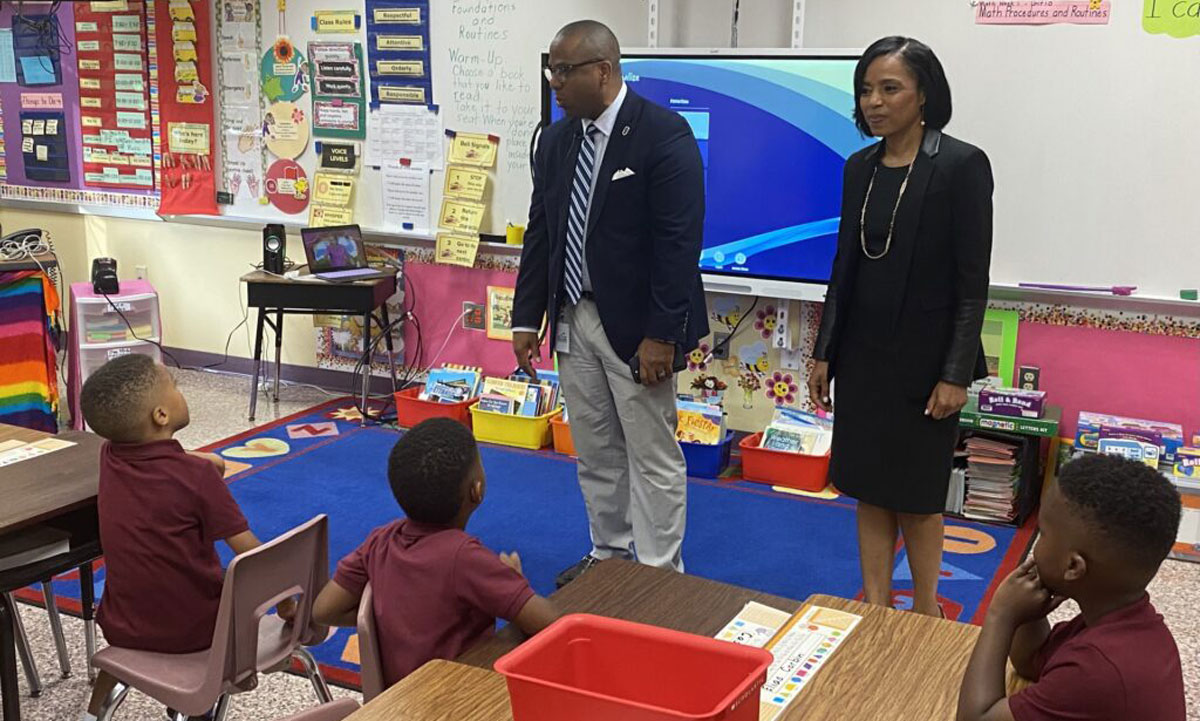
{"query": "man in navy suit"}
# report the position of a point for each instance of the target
(611, 260)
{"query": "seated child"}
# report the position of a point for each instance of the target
(437, 590)
(161, 511)
(1106, 526)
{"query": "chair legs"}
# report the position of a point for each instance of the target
(217, 713)
(109, 705)
(27, 662)
(314, 674)
(89, 642)
(222, 708)
(64, 660)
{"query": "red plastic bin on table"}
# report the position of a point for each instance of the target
(411, 410)
(591, 668)
(779, 468)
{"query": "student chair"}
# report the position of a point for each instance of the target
(333, 711)
(27, 663)
(370, 663)
(246, 641)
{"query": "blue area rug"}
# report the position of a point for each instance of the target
(322, 461)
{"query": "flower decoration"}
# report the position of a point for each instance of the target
(782, 388)
(749, 381)
(765, 321)
(697, 358)
(284, 52)
(301, 187)
(297, 116)
(708, 383)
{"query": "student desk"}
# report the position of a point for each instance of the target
(278, 295)
(896, 666)
(57, 489)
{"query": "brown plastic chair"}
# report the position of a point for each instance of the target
(370, 663)
(246, 641)
(333, 711)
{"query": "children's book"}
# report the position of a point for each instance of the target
(497, 404)
(699, 423)
(505, 387)
(451, 385)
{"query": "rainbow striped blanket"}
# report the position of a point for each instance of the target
(29, 307)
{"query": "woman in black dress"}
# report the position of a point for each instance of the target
(903, 313)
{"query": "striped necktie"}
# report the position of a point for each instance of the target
(581, 188)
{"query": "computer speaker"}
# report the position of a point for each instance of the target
(104, 276)
(274, 248)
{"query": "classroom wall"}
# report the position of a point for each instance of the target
(196, 268)
(1090, 360)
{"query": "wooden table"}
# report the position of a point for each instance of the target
(633, 592)
(272, 294)
(59, 490)
(896, 666)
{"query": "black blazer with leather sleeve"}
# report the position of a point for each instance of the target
(944, 227)
(645, 230)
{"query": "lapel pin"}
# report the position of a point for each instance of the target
(625, 131)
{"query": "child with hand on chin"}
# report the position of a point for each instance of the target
(1105, 527)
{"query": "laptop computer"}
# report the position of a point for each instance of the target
(337, 254)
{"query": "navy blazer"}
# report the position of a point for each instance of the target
(944, 225)
(645, 230)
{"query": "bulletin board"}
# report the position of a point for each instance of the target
(46, 61)
(268, 111)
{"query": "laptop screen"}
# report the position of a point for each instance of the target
(335, 248)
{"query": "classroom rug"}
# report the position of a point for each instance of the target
(322, 461)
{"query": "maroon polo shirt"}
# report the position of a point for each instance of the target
(437, 592)
(1124, 667)
(161, 512)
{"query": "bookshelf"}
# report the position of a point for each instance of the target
(1039, 437)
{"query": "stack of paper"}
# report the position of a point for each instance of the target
(993, 478)
(795, 431)
(956, 490)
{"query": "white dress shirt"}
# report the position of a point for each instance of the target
(604, 124)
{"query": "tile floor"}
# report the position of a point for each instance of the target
(218, 408)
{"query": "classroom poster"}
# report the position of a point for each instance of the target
(114, 95)
(398, 51)
(339, 105)
(499, 312)
(41, 95)
(187, 115)
(239, 27)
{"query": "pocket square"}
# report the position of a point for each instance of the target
(622, 173)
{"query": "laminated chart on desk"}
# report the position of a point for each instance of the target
(801, 644)
(398, 51)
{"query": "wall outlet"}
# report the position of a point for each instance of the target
(472, 316)
(791, 359)
(720, 346)
(140, 272)
(782, 337)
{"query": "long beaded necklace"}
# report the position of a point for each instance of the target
(862, 218)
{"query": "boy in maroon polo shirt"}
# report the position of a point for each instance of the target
(1106, 526)
(437, 590)
(162, 510)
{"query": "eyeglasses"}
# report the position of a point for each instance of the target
(562, 70)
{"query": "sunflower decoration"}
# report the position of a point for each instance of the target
(284, 51)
